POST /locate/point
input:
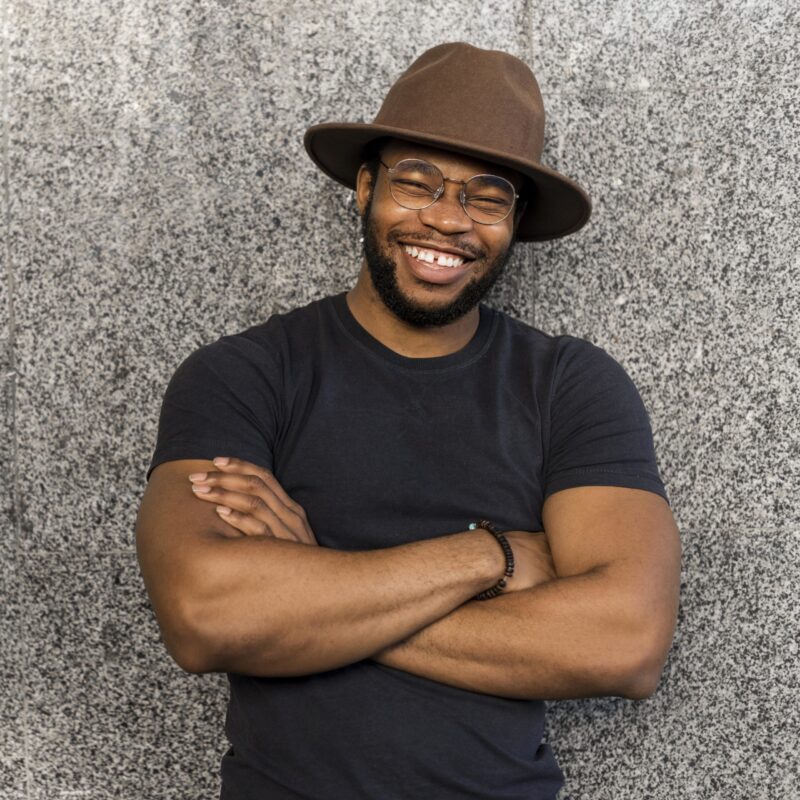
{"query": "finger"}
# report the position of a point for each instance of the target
(248, 482)
(249, 494)
(248, 504)
(238, 465)
(248, 525)
(214, 484)
(244, 523)
(254, 479)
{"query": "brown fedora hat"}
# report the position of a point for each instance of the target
(482, 103)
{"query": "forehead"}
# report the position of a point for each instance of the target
(453, 165)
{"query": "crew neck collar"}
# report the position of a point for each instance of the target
(471, 351)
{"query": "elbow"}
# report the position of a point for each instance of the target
(211, 641)
(193, 654)
(179, 633)
(636, 679)
(187, 642)
(649, 632)
(184, 650)
(642, 675)
(191, 661)
(641, 683)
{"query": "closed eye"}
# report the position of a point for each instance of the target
(413, 185)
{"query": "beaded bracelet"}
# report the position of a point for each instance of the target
(498, 588)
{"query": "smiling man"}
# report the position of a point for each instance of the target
(428, 517)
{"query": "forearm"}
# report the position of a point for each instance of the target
(275, 607)
(568, 638)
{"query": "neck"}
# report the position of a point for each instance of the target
(407, 340)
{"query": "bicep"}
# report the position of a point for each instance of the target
(172, 527)
(627, 534)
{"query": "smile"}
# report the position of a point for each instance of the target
(437, 257)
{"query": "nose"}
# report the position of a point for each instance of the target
(447, 214)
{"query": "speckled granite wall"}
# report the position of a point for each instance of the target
(156, 195)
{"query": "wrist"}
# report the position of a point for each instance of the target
(492, 559)
(508, 557)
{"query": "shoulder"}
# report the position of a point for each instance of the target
(559, 354)
(581, 360)
(263, 345)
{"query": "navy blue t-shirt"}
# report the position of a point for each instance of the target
(381, 449)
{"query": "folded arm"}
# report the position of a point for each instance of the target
(604, 626)
(266, 603)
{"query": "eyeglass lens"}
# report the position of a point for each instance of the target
(415, 184)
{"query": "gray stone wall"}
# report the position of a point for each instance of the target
(156, 195)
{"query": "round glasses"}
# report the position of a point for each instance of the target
(416, 184)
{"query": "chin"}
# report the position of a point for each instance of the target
(383, 271)
(426, 310)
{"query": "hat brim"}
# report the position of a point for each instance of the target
(560, 206)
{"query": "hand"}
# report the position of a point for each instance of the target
(533, 562)
(258, 504)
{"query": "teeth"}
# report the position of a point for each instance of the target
(428, 257)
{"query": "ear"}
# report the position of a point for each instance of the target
(363, 188)
(519, 211)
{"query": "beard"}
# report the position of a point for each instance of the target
(383, 272)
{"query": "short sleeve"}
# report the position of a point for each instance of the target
(600, 433)
(223, 399)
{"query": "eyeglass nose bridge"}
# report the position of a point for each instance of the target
(462, 196)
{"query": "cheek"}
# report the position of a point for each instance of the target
(394, 222)
(497, 245)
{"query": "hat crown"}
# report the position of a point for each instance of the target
(459, 91)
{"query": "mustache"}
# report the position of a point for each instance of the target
(411, 238)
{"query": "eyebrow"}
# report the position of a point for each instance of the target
(491, 168)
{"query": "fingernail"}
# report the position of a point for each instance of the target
(223, 510)
(198, 476)
(198, 488)
(221, 461)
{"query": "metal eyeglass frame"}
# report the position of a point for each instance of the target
(440, 190)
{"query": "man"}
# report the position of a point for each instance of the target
(344, 562)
